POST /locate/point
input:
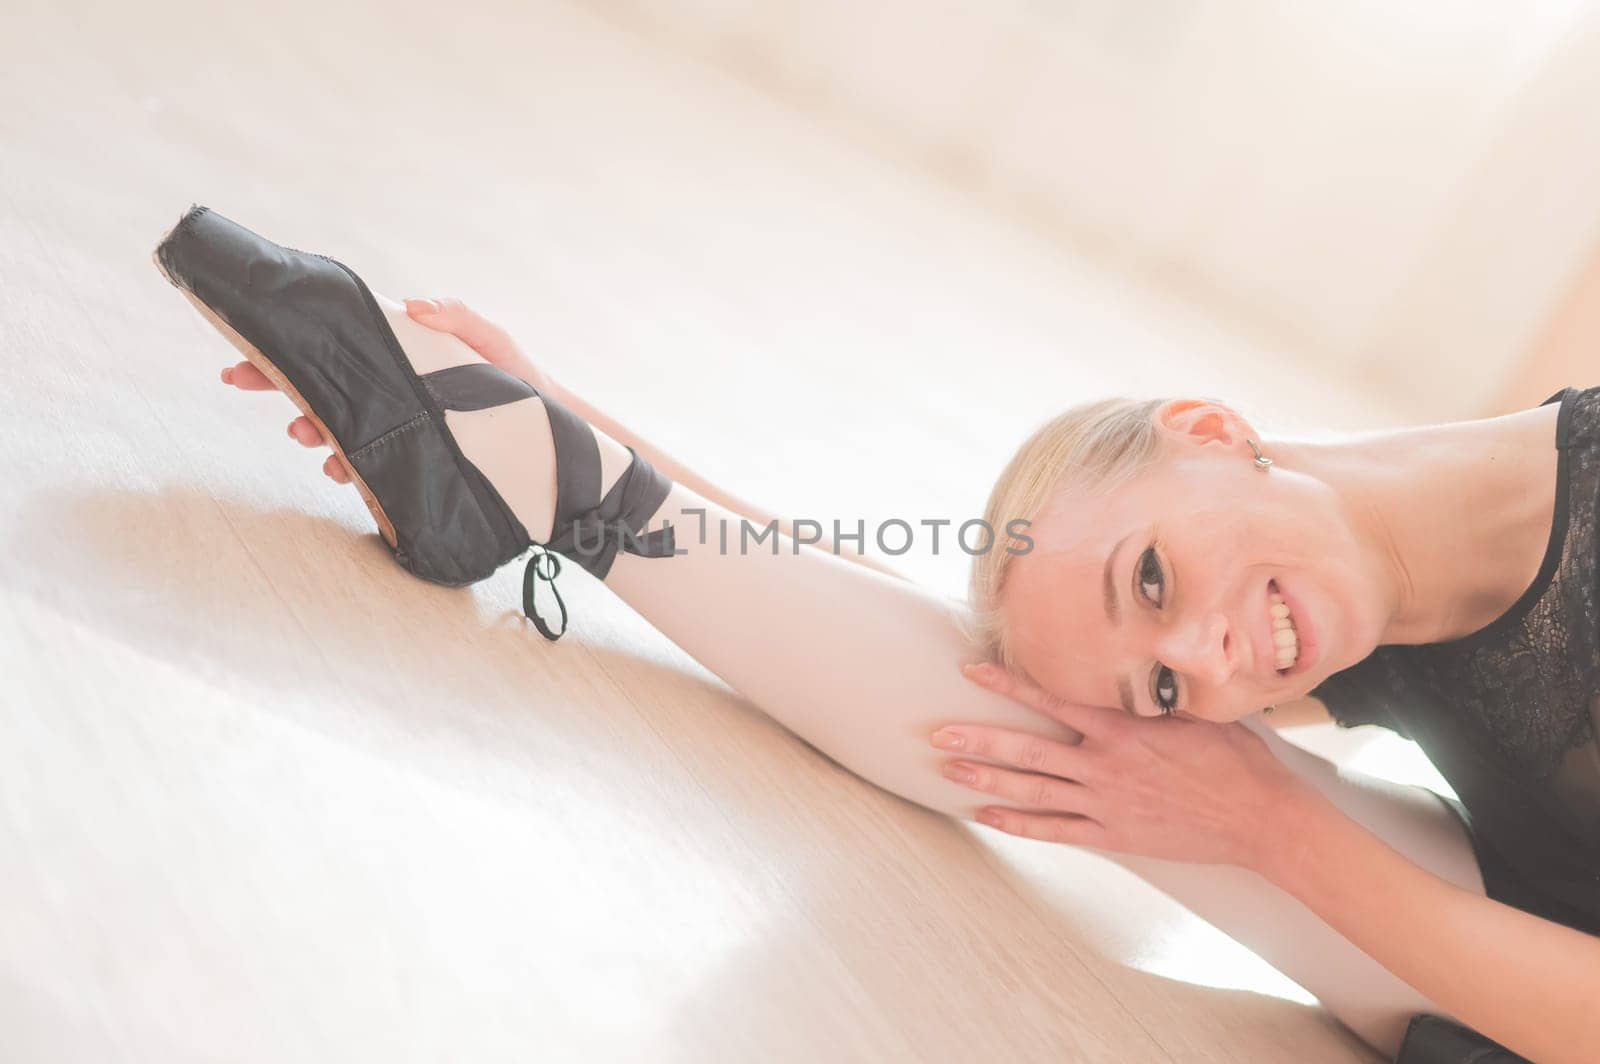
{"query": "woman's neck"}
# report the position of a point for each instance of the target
(1455, 518)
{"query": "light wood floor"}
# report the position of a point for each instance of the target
(265, 797)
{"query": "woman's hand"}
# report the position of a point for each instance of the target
(492, 343)
(1164, 787)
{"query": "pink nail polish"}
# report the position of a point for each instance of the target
(983, 673)
(945, 739)
(955, 770)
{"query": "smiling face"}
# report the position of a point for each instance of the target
(1158, 594)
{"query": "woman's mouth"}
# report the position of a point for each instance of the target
(1290, 641)
(1284, 641)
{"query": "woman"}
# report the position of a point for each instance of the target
(1439, 581)
(467, 453)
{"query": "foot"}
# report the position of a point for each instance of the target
(464, 464)
(450, 317)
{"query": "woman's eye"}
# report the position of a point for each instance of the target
(1152, 584)
(1164, 689)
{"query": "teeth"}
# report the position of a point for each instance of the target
(1284, 637)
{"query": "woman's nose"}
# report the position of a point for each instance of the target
(1204, 650)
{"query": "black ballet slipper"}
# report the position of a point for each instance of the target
(313, 327)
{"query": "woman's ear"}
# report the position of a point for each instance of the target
(1203, 422)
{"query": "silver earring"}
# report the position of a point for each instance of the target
(1263, 463)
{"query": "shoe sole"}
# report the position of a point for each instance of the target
(261, 362)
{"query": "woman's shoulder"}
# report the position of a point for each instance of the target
(1579, 419)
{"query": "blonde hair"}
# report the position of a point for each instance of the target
(1097, 444)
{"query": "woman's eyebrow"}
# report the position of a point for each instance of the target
(1108, 583)
(1108, 589)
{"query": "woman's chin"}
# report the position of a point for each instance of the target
(1223, 716)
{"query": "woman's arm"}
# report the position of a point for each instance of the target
(497, 346)
(1529, 984)
(682, 474)
(1192, 791)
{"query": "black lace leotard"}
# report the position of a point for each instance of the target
(1508, 714)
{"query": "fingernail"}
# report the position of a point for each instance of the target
(227, 375)
(290, 430)
(990, 817)
(422, 306)
(946, 739)
(960, 772)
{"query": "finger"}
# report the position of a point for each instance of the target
(335, 469)
(1025, 788)
(490, 341)
(1020, 749)
(302, 431)
(1047, 827)
(247, 378)
(1085, 719)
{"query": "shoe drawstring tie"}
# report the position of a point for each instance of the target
(542, 566)
(594, 538)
